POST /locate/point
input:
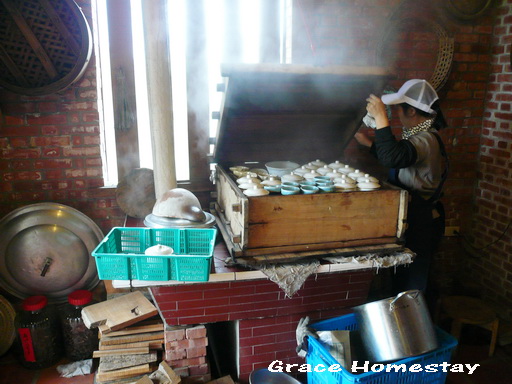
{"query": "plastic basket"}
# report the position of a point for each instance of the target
(318, 354)
(120, 255)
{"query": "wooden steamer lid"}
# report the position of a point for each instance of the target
(46, 45)
(292, 112)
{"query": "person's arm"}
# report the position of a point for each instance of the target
(392, 153)
(363, 139)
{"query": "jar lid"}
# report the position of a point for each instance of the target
(80, 297)
(34, 303)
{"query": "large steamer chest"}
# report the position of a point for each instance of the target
(299, 114)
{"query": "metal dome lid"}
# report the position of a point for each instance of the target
(153, 221)
(45, 249)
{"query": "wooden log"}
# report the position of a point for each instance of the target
(137, 329)
(103, 377)
(118, 313)
(128, 380)
(113, 363)
(131, 338)
(165, 374)
(121, 351)
(153, 344)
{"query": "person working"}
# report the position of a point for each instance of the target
(417, 163)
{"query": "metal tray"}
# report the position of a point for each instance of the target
(45, 249)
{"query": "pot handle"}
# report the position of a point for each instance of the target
(413, 294)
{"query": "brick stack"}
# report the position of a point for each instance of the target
(185, 352)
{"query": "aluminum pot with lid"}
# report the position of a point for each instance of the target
(397, 327)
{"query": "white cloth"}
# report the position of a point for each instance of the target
(369, 121)
(290, 277)
(77, 368)
(375, 260)
(301, 332)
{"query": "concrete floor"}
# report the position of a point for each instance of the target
(473, 349)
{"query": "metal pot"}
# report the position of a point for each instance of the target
(397, 327)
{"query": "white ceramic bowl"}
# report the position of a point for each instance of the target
(280, 168)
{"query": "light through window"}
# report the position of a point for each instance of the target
(250, 28)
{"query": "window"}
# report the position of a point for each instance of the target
(202, 35)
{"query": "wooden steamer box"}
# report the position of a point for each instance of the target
(298, 113)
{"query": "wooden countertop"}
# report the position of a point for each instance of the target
(220, 271)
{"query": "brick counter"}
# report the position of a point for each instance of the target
(267, 318)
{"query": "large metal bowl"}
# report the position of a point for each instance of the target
(264, 376)
(45, 249)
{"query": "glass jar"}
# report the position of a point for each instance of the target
(79, 341)
(38, 338)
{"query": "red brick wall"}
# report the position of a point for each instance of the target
(491, 268)
(50, 150)
(267, 319)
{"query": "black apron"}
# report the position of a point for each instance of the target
(425, 228)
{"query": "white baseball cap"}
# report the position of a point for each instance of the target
(416, 92)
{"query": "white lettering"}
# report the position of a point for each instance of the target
(305, 368)
(431, 368)
(471, 368)
(397, 368)
(290, 366)
(335, 368)
(279, 367)
(364, 368)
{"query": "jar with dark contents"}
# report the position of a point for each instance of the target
(79, 341)
(38, 338)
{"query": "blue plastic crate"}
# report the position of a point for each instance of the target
(120, 255)
(318, 354)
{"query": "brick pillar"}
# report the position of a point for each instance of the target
(185, 352)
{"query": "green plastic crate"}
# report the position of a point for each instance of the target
(120, 255)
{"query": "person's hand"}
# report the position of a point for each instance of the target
(363, 139)
(300, 333)
(377, 109)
